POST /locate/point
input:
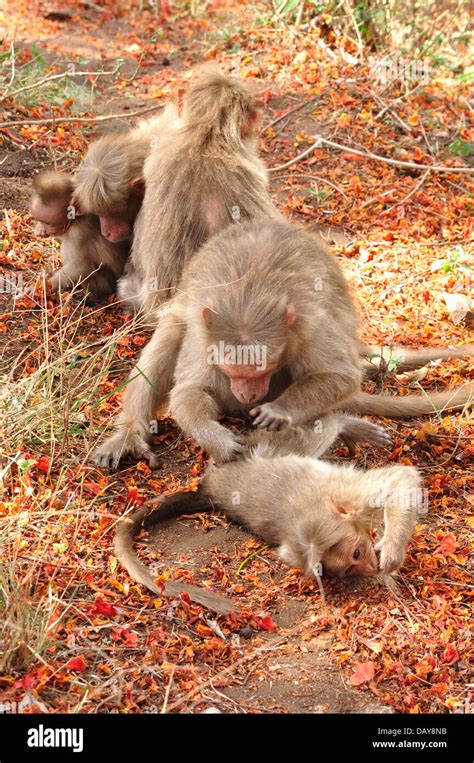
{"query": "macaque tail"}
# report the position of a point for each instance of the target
(400, 359)
(171, 506)
(411, 405)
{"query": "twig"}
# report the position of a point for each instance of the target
(400, 98)
(199, 687)
(290, 111)
(376, 198)
(314, 177)
(13, 64)
(249, 557)
(348, 9)
(412, 192)
(394, 114)
(373, 157)
(59, 120)
(168, 690)
(422, 126)
(52, 78)
(297, 158)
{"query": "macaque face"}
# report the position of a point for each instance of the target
(354, 555)
(51, 218)
(115, 227)
(248, 384)
(248, 364)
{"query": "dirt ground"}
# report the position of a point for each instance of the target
(294, 668)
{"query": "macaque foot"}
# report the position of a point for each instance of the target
(223, 445)
(266, 416)
(360, 430)
(119, 445)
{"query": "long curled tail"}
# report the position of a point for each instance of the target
(411, 405)
(401, 359)
(130, 525)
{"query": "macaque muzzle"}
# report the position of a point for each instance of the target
(247, 384)
(115, 228)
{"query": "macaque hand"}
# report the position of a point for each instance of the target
(222, 445)
(391, 556)
(56, 280)
(267, 416)
(121, 444)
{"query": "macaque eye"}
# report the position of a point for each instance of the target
(356, 553)
(349, 570)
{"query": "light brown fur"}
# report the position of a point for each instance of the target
(201, 177)
(238, 288)
(398, 359)
(316, 513)
(88, 259)
(109, 182)
(246, 281)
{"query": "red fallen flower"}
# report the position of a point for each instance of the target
(450, 654)
(94, 487)
(43, 464)
(29, 682)
(266, 623)
(185, 597)
(128, 638)
(448, 545)
(133, 496)
(76, 663)
(365, 672)
(104, 608)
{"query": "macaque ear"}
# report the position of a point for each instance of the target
(179, 101)
(289, 316)
(344, 512)
(137, 186)
(207, 316)
(78, 211)
(249, 125)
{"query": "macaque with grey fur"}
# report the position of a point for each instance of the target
(264, 289)
(319, 515)
(88, 260)
(200, 178)
(109, 182)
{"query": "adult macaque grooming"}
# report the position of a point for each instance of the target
(201, 177)
(277, 297)
(87, 258)
(265, 326)
(109, 181)
(320, 515)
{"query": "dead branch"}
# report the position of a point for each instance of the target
(409, 195)
(374, 157)
(53, 78)
(59, 120)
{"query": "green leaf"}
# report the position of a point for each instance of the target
(466, 76)
(462, 148)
